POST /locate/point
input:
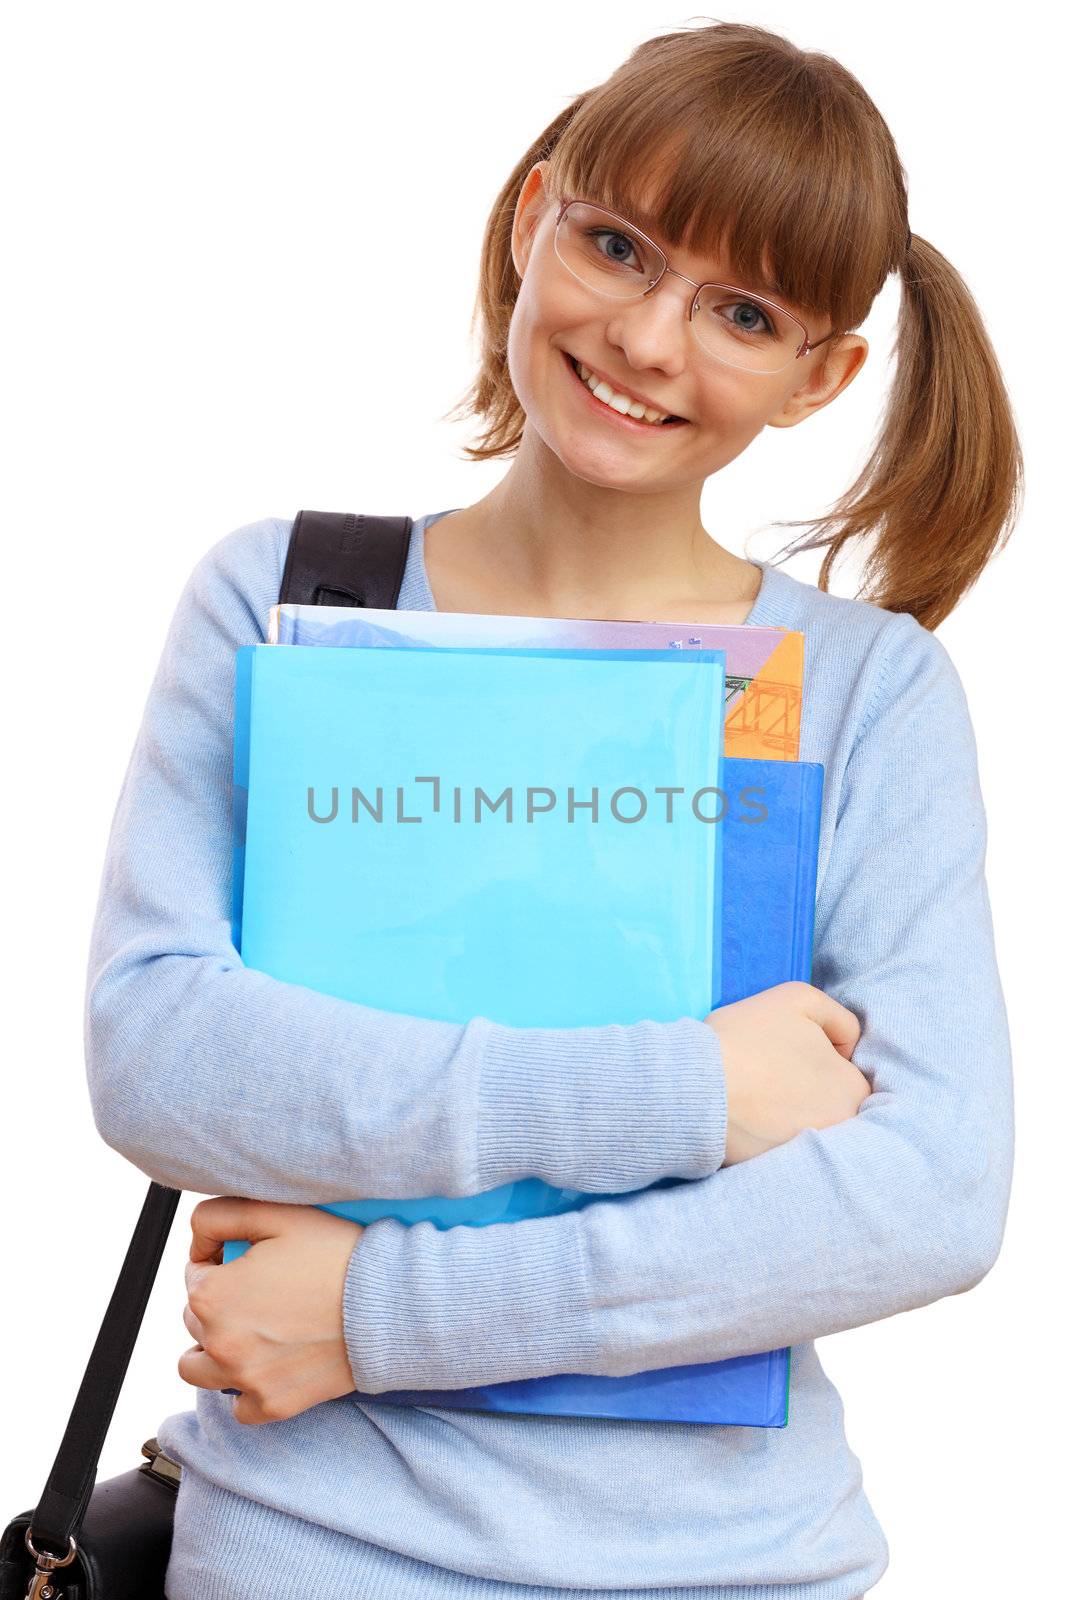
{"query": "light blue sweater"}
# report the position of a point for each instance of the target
(214, 1077)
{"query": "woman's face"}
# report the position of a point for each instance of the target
(644, 347)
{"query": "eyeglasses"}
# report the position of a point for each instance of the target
(613, 258)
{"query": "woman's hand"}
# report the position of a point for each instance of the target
(787, 1058)
(270, 1323)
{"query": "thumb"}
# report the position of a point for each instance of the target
(213, 1222)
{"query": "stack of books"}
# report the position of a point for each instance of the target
(545, 822)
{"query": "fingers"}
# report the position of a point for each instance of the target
(202, 1370)
(841, 1026)
(215, 1221)
(204, 1249)
(250, 1408)
(194, 1325)
(198, 1276)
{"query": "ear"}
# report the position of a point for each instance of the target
(841, 361)
(529, 209)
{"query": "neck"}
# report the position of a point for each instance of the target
(548, 544)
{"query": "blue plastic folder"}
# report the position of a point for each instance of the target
(770, 863)
(544, 919)
(592, 898)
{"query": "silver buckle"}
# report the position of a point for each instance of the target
(41, 1587)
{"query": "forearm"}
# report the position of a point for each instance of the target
(835, 1229)
(215, 1078)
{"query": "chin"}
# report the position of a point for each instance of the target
(597, 463)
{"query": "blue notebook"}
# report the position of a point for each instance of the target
(770, 842)
(551, 880)
(285, 722)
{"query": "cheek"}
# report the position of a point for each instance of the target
(518, 358)
(519, 331)
(529, 349)
(736, 404)
(547, 314)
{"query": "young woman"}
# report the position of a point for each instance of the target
(679, 261)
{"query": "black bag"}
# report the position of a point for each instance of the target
(112, 1541)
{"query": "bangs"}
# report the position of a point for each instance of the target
(765, 177)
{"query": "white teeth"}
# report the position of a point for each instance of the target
(619, 402)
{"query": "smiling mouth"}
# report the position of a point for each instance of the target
(635, 422)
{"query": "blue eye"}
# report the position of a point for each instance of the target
(614, 235)
(750, 308)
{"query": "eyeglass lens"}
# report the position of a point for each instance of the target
(741, 330)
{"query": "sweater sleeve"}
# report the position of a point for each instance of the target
(892, 1209)
(214, 1077)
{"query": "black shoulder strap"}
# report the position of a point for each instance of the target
(70, 1482)
(336, 558)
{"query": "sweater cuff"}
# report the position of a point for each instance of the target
(456, 1308)
(604, 1110)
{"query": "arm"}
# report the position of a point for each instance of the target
(889, 1210)
(213, 1077)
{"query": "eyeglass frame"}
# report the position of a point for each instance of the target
(629, 227)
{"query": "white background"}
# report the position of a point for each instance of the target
(197, 201)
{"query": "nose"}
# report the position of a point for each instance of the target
(653, 329)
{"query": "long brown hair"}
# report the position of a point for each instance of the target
(779, 152)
